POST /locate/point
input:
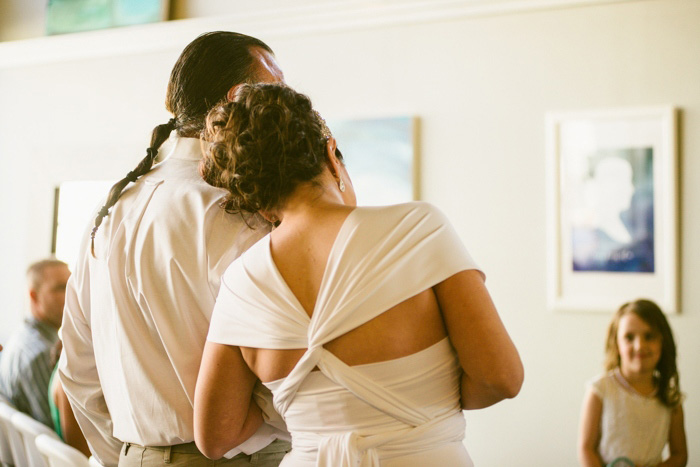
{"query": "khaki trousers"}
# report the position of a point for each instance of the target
(133, 455)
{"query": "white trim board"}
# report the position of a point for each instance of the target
(281, 22)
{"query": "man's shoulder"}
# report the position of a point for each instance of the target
(26, 346)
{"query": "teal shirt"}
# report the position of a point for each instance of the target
(55, 415)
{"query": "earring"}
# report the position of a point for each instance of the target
(341, 185)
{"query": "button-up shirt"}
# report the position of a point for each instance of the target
(137, 313)
(25, 369)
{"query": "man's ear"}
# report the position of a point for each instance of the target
(33, 295)
(231, 94)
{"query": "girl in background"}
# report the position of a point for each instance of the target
(633, 410)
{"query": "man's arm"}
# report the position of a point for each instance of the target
(81, 382)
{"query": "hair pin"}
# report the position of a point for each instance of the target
(325, 131)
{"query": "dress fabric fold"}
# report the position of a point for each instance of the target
(388, 413)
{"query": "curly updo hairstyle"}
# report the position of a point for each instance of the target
(262, 146)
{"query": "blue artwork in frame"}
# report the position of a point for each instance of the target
(380, 155)
(613, 212)
(66, 16)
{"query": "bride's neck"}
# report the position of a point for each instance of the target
(311, 199)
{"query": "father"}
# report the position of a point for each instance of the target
(139, 302)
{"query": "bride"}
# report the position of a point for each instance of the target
(371, 326)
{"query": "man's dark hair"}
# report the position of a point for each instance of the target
(208, 67)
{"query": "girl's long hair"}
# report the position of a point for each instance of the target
(666, 374)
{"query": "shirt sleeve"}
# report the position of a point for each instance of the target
(79, 376)
(598, 386)
(221, 251)
(449, 248)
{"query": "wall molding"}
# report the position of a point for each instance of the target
(278, 23)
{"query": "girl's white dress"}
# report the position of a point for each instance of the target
(632, 425)
(394, 413)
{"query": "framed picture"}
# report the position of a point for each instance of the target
(381, 158)
(75, 206)
(612, 208)
(68, 16)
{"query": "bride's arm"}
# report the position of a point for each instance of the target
(491, 364)
(225, 414)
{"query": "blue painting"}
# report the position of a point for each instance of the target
(66, 16)
(379, 154)
(613, 212)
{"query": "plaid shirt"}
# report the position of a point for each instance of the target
(25, 369)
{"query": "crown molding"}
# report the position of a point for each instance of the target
(284, 22)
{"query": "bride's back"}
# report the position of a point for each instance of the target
(358, 286)
(300, 249)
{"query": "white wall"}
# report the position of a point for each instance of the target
(481, 85)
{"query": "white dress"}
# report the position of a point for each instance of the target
(399, 412)
(632, 425)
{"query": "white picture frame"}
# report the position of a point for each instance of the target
(75, 208)
(612, 208)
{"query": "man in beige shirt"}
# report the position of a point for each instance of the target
(140, 299)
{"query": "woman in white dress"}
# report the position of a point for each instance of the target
(371, 326)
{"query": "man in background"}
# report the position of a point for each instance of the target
(25, 365)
